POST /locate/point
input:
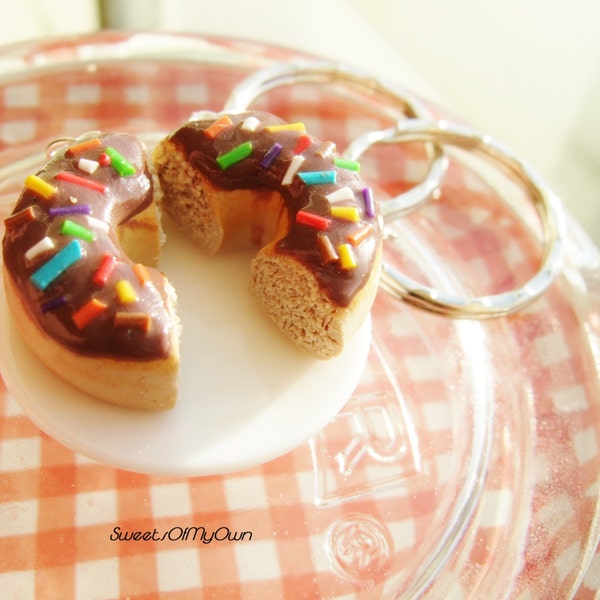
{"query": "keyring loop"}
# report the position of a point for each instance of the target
(546, 203)
(319, 72)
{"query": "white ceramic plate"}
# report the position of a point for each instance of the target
(247, 394)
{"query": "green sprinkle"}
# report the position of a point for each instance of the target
(68, 227)
(234, 156)
(119, 163)
(344, 163)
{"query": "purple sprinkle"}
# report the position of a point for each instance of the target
(53, 303)
(75, 209)
(271, 155)
(369, 205)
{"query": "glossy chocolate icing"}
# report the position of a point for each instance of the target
(124, 197)
(300, 242)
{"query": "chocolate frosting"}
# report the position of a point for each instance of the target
(53, 307)
(300, 242)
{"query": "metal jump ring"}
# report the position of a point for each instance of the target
(319, 72)
(546, 203)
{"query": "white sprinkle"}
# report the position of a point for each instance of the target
(72, 200)
(87, 165)
(44, 245)
(344, 193)
(98, 224)
(250, 124)
(295, 164)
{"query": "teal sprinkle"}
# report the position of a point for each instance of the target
(57, 265)
(317, 177)
(345, 163)
(234, 156)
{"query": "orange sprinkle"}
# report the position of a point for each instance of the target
(83, 146)
(141, 272)
(360, 235)
(88, 312)
(219, 125)
(23, 216)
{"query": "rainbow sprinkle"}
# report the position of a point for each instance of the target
(133, 320)
(84, 146)
(250, 124)
(292, 169)
(341, 194)
(344, 163)
(68, 227)
(325, 149)
(40, 187)
(88, 312)
(346, 213)
(57, 265)
(87, 165)
(74, 209)
(142, 274)
(53, 303)
(347, 259)
(272, 153)
(369, 203)
(326, 248)
(222, 123)
(107, 266)
(20, 218)
(360, 235)
(286, 127)
(317, 221)
(235, 155)
(125, 292)
(82, 181)
(304, 142)
(119, 163)
(42, 247)
(318, 177)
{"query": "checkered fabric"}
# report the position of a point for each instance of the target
(406, 489)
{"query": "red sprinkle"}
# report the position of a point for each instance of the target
(106, 267)
(302, 144)
(104, 160)
(312, 220)
(78, 180)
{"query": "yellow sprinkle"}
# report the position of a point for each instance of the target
(347, 213)
(347, 260)
(286, 127)
(40, 187)
(125, 292)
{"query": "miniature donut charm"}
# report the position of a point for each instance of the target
(250, 179)
(74, 251)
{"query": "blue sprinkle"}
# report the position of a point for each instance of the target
(317, 177)
(57, 265)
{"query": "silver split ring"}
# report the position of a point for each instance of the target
(546, 203)
(318, 72)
